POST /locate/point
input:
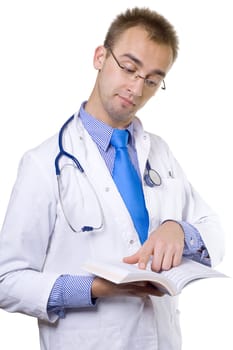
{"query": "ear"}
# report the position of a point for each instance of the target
(99, 57)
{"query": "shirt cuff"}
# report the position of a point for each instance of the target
(70, 292)
(194, 246)
(192, 238)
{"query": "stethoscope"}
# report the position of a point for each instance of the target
(151, 176)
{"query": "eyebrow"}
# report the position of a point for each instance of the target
(140, 64)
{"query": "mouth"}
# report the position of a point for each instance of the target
(127, 101)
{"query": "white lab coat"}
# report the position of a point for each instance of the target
(37, 246)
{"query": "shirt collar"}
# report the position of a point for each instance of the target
(99, 131)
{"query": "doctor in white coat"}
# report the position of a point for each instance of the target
(55, 222)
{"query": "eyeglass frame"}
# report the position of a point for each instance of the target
(136, 76)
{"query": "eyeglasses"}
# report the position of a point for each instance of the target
(131, 71)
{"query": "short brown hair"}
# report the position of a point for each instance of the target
(158, 27)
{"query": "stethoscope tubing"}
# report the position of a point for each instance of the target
(62, 152)
(151, 178)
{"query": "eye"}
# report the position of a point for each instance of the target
(151, 83)
(129, 69)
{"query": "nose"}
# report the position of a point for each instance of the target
(137, 85)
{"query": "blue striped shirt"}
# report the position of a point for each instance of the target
(71, 291)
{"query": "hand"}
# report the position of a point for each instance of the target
(165, 246)
(103, 288)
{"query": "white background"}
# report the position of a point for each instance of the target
(46, 71)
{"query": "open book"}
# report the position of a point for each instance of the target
(171, 282)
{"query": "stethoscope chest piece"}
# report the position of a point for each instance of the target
(152, 177)
(155, 178)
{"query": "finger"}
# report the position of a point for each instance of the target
(144, 258)
(140, 291)
(132, 259)
(177, 258)
(167, 261)
(150, 291)
(157, 260)
(155, 291)
(140, 283)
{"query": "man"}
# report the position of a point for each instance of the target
(55, 223)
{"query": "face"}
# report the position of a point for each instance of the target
(120, 92)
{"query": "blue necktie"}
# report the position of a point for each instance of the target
(129, 184)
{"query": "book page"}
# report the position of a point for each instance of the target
(189, 271)
(172, 280)
(120, 272)
(114, 271)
